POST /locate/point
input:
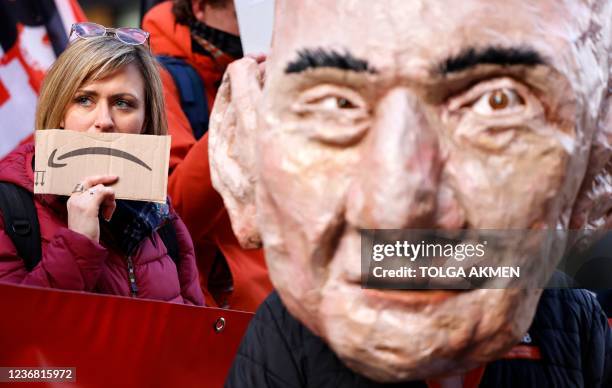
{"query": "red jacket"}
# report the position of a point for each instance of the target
(189, 185)
(72, 261)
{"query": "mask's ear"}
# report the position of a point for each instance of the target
(233, 126)
(593, 208)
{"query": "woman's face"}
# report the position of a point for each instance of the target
(115, 103)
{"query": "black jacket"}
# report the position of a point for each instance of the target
(569, 328)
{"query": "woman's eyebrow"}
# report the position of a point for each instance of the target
(124, 94)
(116, 95)
(87, 92)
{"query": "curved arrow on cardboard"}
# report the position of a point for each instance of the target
(94, 151)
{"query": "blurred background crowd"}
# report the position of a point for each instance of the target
(112, 12)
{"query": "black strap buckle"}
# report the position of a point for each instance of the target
(21, 227)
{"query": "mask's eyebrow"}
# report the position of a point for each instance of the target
(503, 56)
(320, 57)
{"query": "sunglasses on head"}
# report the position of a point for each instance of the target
(131, 36)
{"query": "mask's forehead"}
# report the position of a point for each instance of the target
(412, 37)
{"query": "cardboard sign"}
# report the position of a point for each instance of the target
(255, 21)
(65, 158)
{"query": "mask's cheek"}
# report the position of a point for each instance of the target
(508, 178)
(301, 204)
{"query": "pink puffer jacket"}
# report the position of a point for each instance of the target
(71, 261)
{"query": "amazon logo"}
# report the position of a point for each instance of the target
(55, 162)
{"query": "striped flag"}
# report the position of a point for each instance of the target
(32, 34)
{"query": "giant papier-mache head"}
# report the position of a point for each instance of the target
(395, 114)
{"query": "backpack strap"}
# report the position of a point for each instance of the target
(21, 222)
(168, 235)
(191, 89)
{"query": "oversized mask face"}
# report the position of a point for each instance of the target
(414, 114)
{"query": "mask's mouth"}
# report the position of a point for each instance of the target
(410, 299)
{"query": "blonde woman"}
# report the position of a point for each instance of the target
(106, 81)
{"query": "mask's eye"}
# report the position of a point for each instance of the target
(492, 114)
(343, 103)
(498, 101)
(330, 99)
(333, 114)
(334, 102)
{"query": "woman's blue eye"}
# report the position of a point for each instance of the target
(83, 100)
(123, 104)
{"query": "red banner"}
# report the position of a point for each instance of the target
(115, 341)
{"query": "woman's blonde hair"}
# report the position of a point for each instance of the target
(92, 59)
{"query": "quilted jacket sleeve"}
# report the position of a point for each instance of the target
(70, 261)
(187, 269)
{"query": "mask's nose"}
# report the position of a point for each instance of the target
(397, 182)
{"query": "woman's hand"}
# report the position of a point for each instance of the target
(89, 199)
